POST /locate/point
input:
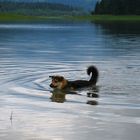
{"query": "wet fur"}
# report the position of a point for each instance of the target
(59, 82)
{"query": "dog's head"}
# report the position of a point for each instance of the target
(58, 82)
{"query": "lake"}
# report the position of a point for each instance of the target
(31, 52)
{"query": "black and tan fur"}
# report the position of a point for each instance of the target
(59, 82)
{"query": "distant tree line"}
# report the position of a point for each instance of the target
(117, 7)
(36, 8)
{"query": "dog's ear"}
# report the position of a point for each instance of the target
(51, 77)
(61, 78)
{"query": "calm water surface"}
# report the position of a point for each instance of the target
(30, 52)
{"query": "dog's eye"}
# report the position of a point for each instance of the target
(55, 81)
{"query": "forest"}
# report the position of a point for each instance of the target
(37, 8)
(117, 7)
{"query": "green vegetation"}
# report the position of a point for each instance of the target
(118, 7)
(105, 11)
(17, 17)
(108, 18)
(37, 8)
(95, 18)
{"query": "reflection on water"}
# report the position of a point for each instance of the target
(30, 52)
(120, 28)
(58, 96)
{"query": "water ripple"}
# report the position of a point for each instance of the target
(29, 53)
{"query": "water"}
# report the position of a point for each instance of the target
(30, 52)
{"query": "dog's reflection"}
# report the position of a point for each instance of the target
(94, 92)
(58, 96)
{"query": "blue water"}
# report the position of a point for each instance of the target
(30, 52)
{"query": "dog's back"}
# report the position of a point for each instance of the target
(83, 83)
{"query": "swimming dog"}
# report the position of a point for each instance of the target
(59, 82)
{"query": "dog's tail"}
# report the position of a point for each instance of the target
(95, 74)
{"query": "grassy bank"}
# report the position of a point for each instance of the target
(94, 18)
(15, 17)
(108, 18)
(29, 18)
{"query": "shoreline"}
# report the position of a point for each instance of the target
(92, 18)
(108, 18)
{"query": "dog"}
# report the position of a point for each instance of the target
(60, 83)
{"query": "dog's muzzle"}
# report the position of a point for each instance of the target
(52, 86)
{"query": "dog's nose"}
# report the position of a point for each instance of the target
(51, 85)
